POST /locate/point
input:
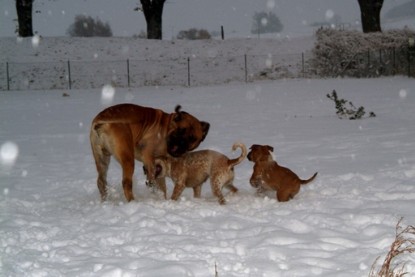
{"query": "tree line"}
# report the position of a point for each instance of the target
(153, 13)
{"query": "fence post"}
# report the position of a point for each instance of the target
(368, 58)
(69, 75)
(409, 62)
(7, 76)
(246, 68)
(188, 71)
(128, 72)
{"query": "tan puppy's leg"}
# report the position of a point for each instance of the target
(177, 191)
(161, 184)
(197, 190)
(231, 187)
(217, 191)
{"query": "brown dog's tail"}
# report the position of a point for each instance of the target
(304, 182)
(238, 160)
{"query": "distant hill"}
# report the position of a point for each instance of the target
(404, 10)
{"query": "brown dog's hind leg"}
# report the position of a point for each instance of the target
(102, 163)
(102, 160)
(286, 195)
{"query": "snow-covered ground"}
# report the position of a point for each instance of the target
(52, 222)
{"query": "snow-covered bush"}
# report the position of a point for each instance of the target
(353, 53)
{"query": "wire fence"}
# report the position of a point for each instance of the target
(194, 71)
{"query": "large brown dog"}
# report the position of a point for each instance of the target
(131, 132)
(194, 168)
(269, 175)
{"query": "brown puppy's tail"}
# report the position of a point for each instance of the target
(238, 160)
(304, 182)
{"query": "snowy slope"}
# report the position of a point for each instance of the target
(52, 222)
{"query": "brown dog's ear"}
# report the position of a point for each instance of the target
(178, 114)
(270, 148)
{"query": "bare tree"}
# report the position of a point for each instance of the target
(24, 17)
(153, 12)
(370, 14)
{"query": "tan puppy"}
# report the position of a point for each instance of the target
(269, 175)
(194, 168)
(130, 132)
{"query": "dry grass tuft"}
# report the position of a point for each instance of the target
(404, 243)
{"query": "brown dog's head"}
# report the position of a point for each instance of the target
(260, 153)
(186, 133)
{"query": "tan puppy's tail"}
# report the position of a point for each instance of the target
(304, 182)
(238, 160)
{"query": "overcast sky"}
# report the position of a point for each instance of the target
(53, 17)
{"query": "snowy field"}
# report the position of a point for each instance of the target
(52, 222)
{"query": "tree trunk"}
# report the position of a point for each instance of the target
(24, 17)
(153, 12)
(370, 13)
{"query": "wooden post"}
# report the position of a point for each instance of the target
(128, 72)
(7, 76)
(188, 71)
(222, 32)
(69, 75)
(246, 68)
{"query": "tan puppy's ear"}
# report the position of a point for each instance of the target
(270, 148)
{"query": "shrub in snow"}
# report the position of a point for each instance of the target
(346, 109)
(193, 34)
(355, 54)
(404, 243)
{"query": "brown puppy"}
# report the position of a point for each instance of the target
(269, 175)
(194, 168)
(131, 132)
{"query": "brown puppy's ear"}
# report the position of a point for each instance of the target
(205, 129)
(270, 148)
(253, 146)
